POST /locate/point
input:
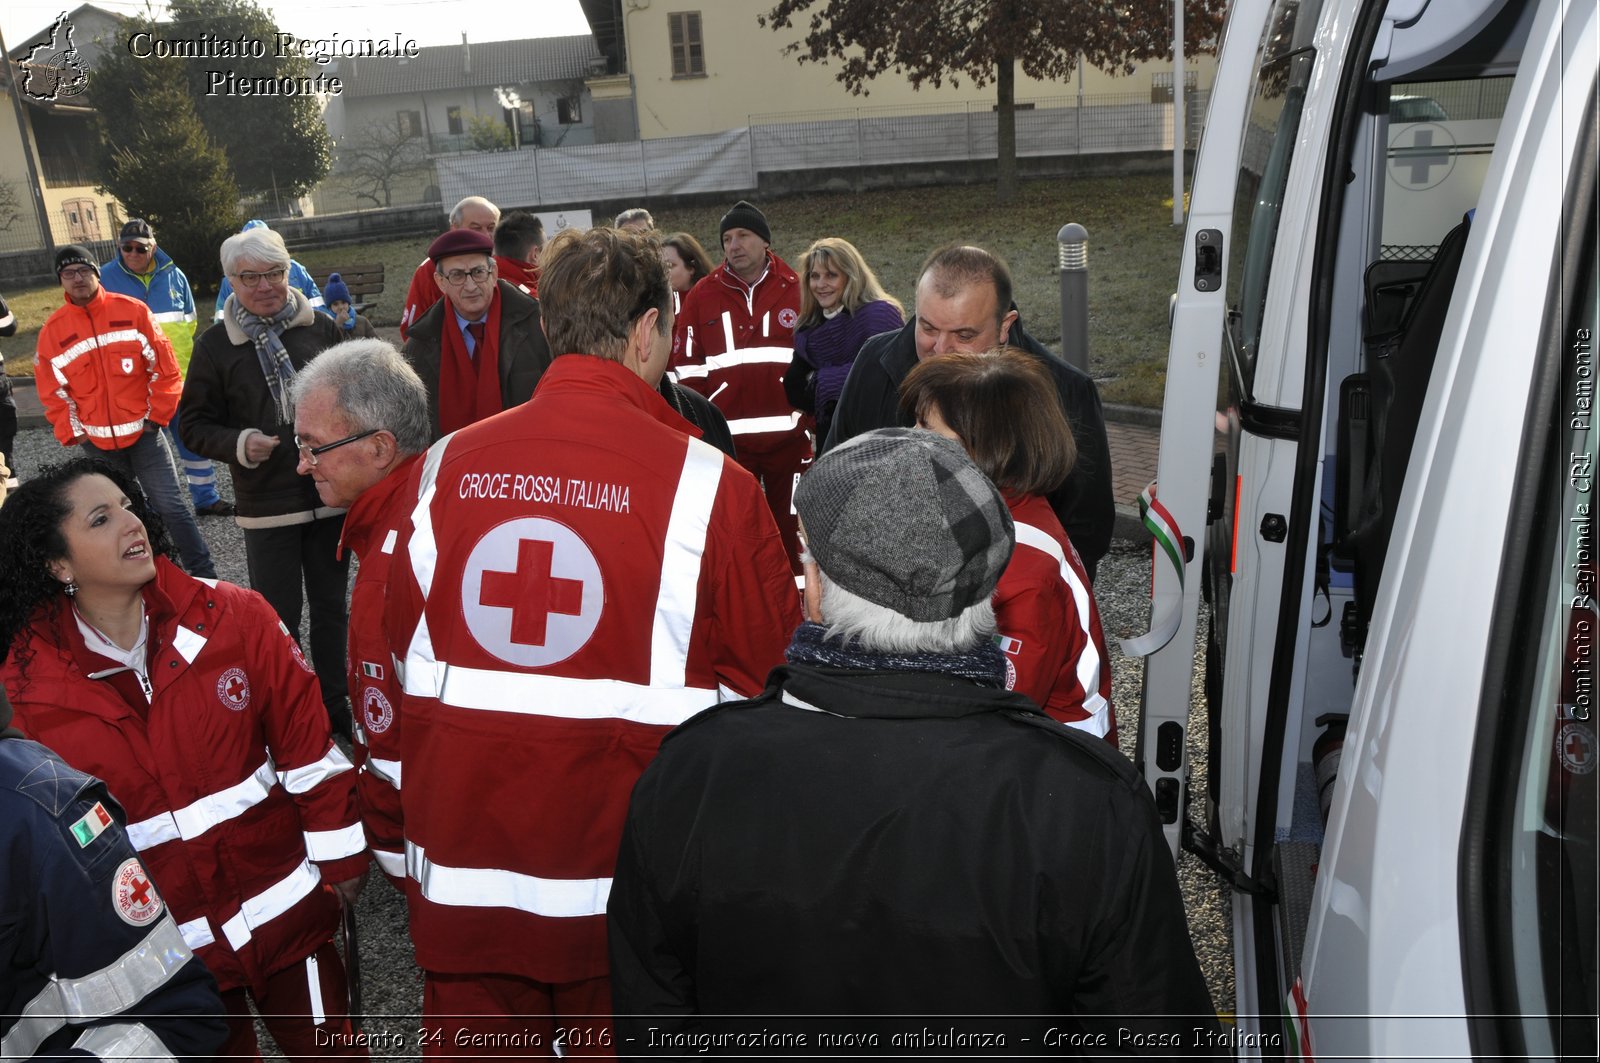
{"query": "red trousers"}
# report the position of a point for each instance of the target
(470, 1015)
(777, 462)
(306, 1018)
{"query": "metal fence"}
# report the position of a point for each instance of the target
(855, 138)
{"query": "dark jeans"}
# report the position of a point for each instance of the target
(277, 559)
(149, 461)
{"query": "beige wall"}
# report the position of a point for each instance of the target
(24, 231)
(748, 74)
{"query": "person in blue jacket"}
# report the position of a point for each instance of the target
(299, 277)
(142, 271)
(91, 963)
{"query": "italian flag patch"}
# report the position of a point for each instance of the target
(90, 827)
(371, 671)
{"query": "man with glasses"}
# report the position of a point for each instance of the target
(144, 272)
(109, 383)
(237, 407)
(480, 349)
(473, 212)
(361, 421)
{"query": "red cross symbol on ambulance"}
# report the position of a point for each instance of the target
(531, 592)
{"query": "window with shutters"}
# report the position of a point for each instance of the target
(688, 51)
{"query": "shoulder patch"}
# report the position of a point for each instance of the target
(133, 895)
(91, 826)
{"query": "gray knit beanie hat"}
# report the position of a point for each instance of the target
(903, 518)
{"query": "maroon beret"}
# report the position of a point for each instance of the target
(460, 242)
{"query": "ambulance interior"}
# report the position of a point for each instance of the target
(1429, 116)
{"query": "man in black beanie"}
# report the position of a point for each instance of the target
(732, 342)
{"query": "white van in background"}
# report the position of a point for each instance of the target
(1377, 467)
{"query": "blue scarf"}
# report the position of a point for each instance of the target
(985, 665)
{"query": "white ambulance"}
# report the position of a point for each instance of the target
(1377, 468)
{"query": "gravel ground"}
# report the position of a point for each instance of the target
(392, 984)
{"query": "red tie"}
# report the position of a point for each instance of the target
(476, 328)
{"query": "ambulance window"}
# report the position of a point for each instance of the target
(1548, 904)
(1441, 134)
(1283, 70)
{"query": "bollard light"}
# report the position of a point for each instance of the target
(1072, 247)
(1072, 258)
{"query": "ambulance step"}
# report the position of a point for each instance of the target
(1294, 864)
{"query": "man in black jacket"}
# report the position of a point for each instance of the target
(480, 349)
(964, 304)
(887, 837)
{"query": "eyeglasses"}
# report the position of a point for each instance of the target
(137, 249)
(309, 454)
(255, 280)
(73, 273)
(457, 277)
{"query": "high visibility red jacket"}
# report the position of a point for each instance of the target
(238, 801)
(1049, 624)
(104, 369)
(588, 576)
(422, 294)
(733, 343)
(372, 528)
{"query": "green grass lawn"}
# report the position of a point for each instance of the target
(1133, 259)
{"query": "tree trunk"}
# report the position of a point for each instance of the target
(1006, 117)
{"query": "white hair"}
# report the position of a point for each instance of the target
(879, 629)
(460, 209)
(257, 245)
(374, 386)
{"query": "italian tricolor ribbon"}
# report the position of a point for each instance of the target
(1169, 541)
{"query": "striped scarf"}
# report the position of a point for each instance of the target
(267, 334)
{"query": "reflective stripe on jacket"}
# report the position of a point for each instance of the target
(239, 803)
(104, 369)
(579, 576)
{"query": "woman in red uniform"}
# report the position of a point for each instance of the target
(1002, 407)
(193, 704)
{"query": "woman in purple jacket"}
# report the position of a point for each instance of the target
(842, 305)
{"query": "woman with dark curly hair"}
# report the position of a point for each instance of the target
(195, 706)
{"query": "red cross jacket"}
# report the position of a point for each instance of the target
(372, 529)
(104, 369)
(238, 801)
(588, 575)
(1049, 624)
(733, 344)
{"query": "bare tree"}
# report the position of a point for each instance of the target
(10, 204)
(378, 158)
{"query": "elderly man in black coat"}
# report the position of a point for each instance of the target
(480, 349)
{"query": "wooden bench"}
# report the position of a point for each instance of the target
(364, 281)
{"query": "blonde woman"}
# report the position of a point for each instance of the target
(842, 306)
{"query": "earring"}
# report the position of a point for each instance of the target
(70, 588)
